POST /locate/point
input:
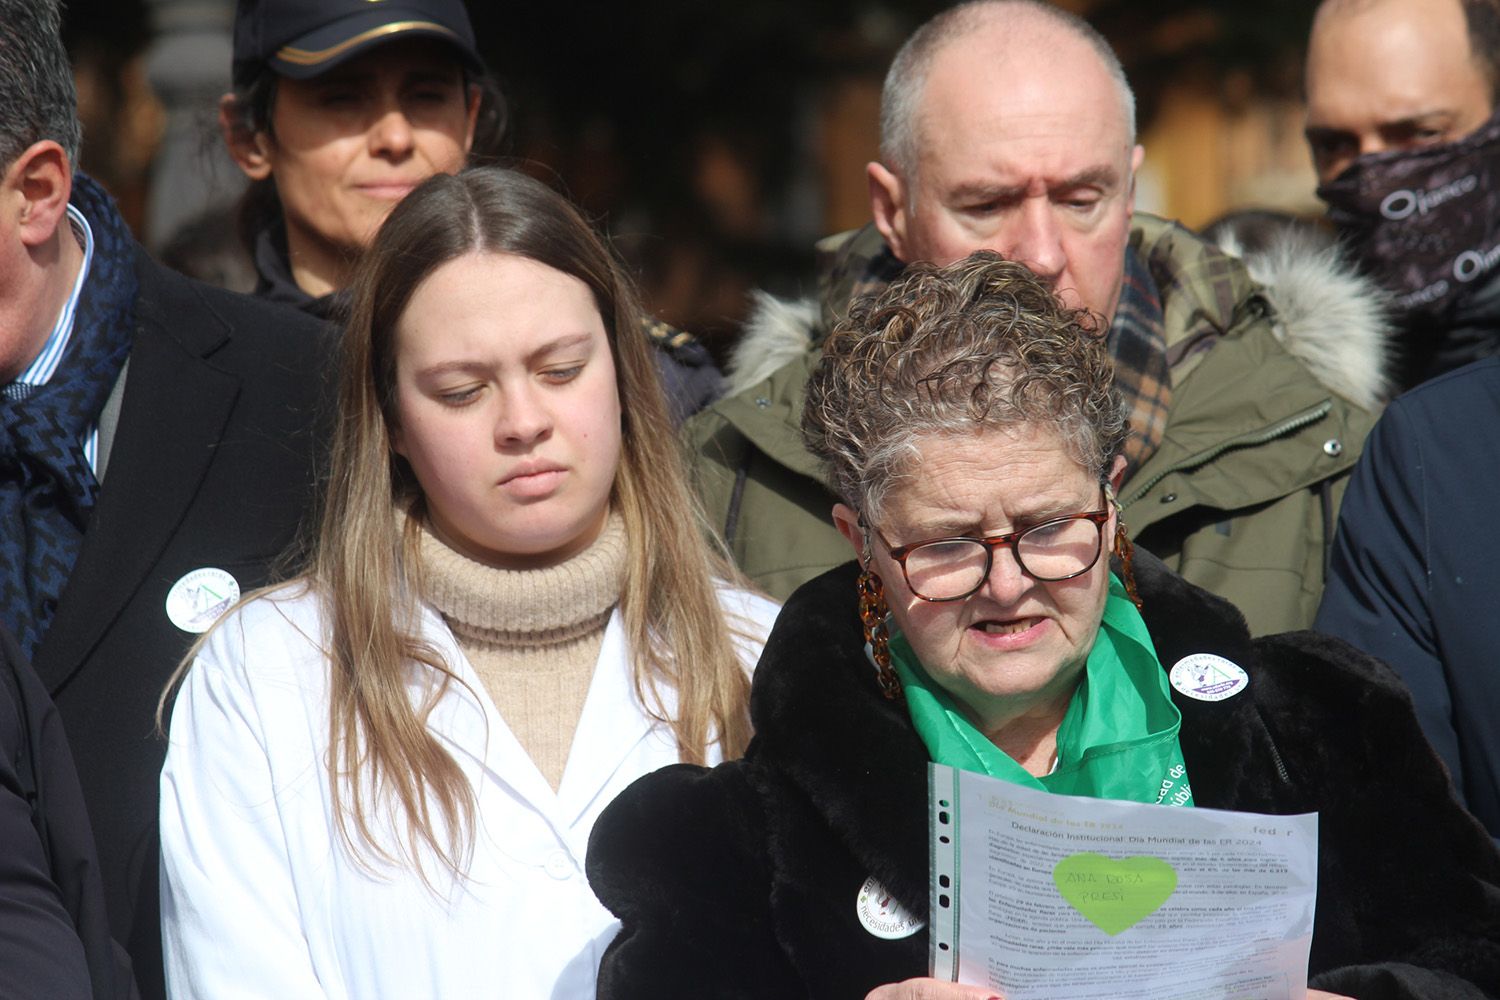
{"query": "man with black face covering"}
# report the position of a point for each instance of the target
(1401, 119)
(1401, 99)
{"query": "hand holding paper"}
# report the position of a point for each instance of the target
(931, 989)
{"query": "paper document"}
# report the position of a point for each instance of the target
(1053, 897)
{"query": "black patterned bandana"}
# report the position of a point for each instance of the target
(1425, 223)
(860, 264)
(47, 488)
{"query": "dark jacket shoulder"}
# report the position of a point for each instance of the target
(725, 821)
(203, 318)
(56, 940)
(719, 926)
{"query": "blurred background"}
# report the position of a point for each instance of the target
(714, 141)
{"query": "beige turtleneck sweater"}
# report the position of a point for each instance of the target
(533, 636)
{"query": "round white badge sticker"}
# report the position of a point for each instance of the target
(1207, 677)
(882, 916)
(197, 600)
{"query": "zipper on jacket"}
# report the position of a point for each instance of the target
(1295, 422)
(1280, 765)
(1271, 745)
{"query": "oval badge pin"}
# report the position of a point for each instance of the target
(197, 600)
(1208, 677)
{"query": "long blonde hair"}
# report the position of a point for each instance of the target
(368, 581)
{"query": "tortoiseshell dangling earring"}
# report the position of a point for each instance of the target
(872, 616)
(1124, 550)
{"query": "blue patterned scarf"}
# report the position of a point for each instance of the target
(47, 488)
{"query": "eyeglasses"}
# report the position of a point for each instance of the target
(950, 569)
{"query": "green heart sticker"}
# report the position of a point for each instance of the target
(1114, 895)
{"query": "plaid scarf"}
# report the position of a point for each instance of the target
(1138, 343)
(852, 266)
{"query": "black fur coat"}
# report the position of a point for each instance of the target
(741, 881)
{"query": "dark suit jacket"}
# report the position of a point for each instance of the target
(54, 936)
(211, 465)
(1416, 568)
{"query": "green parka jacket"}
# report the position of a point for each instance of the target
(1275, 384)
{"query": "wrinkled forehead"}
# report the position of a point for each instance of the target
(1025, 150)
(952, 481)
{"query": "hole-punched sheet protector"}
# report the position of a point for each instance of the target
(1056, 897)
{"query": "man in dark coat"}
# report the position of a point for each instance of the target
(1416, 568)
(157, 456)
(54, 935)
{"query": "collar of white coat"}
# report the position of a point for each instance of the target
(610, 728)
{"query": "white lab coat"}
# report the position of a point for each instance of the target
(260, 898)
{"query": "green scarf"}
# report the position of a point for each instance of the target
(1118, 738)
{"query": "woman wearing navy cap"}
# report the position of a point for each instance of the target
(339, 109)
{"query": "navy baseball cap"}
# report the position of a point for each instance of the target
(306, 38)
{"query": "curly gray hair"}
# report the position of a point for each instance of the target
(979, 343)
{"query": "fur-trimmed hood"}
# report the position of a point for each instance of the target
(1328, 316)
(1333, 319)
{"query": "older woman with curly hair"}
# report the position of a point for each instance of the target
(968, 422)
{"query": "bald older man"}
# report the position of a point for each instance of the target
(1401, 98)
(1008, 125)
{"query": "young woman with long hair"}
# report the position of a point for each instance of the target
(382, 776)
